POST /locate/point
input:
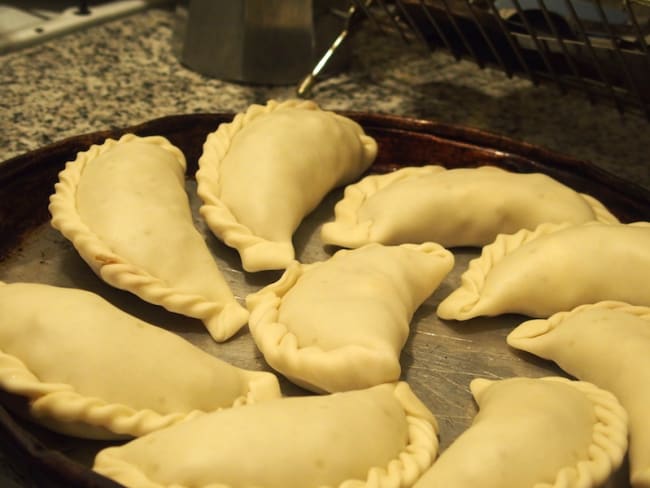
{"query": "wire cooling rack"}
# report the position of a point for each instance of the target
(596, 47)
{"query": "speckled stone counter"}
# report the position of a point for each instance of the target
(125, 72)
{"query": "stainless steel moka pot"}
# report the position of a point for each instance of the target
(260, 41)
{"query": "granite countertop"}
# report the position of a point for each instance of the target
(125, 72)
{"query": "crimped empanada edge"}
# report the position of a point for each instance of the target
(530, 336)
(280, 346)
(463, 302)
(609, 439)
(346, 230)
(59, 407)
(415, 458)
(281, 350)
(256, 252)
(120, 273)
(466, 301)
(531, 329)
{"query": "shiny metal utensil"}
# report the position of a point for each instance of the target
(258, 41)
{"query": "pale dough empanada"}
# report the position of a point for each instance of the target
(88, 369)
(535, 433)
(379, 437)
(608, 344)
(454, 207)
(340, 324)
(261, 174)
(123, 206)
(554, 268)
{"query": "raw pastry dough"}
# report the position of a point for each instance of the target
(341, 324)
(548, 432)
(261, 174)
(124, 207)
(608, 344)
(380, 437)
(454, 207)
(554, 268)
(89, 369)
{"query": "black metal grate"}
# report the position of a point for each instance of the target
(597, 47)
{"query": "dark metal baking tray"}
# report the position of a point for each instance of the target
(439, 359)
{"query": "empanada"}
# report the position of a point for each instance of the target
(261, 174)
(454, 207)
(88, 369)
(124, 207)
(547, 432)
(554, 268)
(340, 324)
(608, 344)
(379, 437)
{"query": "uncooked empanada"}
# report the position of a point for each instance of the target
(261, 174)
(454, 207)
(89, 369)
(547, 432)
(341, 324)
(554, 268)
(124, 207)
(608, 344)
(382, 436)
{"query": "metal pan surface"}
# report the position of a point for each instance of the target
(439, 359)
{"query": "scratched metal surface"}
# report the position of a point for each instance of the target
(439, 359)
